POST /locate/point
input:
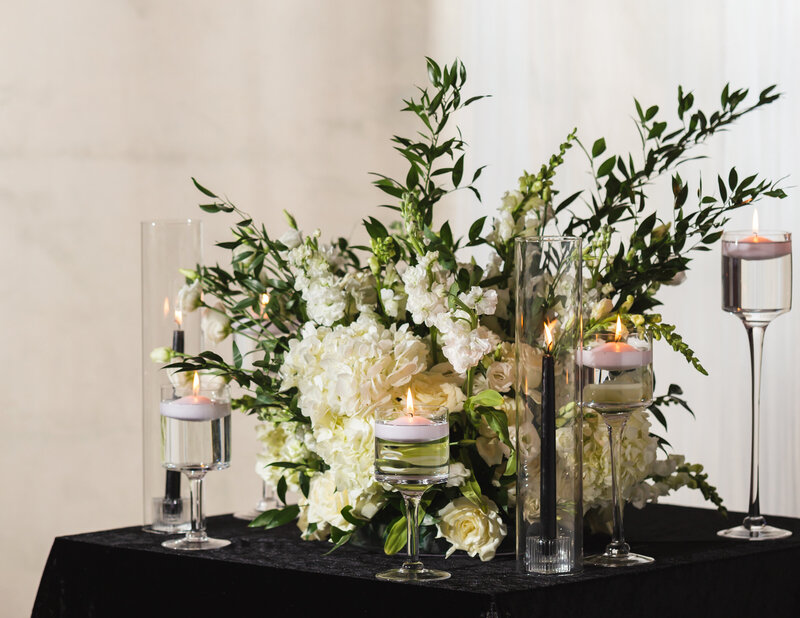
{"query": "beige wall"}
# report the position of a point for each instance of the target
(107, 109)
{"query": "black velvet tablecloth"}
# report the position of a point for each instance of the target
(126, 572)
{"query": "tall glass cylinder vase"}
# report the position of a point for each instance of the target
(549, 422)
(167, 322)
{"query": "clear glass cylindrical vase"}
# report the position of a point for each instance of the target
(168, 321)
(549, 330)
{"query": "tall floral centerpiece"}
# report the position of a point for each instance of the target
(340, 329)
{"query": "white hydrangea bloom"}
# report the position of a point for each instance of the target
(341, 374)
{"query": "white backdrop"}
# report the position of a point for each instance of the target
(107, 109)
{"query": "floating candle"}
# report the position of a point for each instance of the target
(616, 355)
(756, 247)
(412, 427)
(195, 407)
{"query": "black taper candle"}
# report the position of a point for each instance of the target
(547, 476)
(172, 489)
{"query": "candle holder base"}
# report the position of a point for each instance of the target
(413, 572)
(550, 556)
(754, 533)
(169, 516)
(613, 559)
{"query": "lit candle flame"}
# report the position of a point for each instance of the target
(409, 403)
(179, 317)
(548, 337)
(618, 331)
(264, 299)
(196, 384)
(755, 222)
(166, 306)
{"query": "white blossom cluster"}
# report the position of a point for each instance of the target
(342, 374)
(506, 226)
(464, 343)
(282, 442)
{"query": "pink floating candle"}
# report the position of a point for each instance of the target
(616, 355)
(756, 247)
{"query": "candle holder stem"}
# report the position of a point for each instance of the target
(755, 336)
(412, 569)
(617, 552)
(196, 538)
(616, 425)
(412, 500)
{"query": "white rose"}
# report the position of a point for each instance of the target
(161, 355)
(291, 239)
(491, 448)
(500, 376)
(467, 527)
(189, 297)
(601, 309)
(457, 475)
(215, 323)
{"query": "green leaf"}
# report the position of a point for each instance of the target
(476, 229)
(733, 179)
(347, 514)
(237, 356)
(458, 171)
(651, 112)
(339, 538)
(281, 489)
(498, 422)
(203, 190)
(395, 537)
(606, 167)
(276, 517)
(489, 398)
(599, 147)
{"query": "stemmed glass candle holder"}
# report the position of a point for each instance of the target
(195, 439)
(757, 288)
(412, 450)
(618, 381)
(549, 430)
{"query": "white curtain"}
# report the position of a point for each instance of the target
(551, 66)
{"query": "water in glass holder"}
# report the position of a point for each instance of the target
(412, 450)
(196, 439)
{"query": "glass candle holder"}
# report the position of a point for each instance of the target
(549, 428)
(618, 369)
(196, 438)
(167, 246)
(757, 288)
(412, 451)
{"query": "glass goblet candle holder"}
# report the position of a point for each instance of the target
(618, 374)
(196, 438)
(757, 288)
(412, 450)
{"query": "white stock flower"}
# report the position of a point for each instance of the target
(189, 297)
(464, 347)
(215, 323)
(394, 303)
(467, 527)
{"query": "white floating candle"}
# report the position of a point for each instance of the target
(411, 429)
(195, 407)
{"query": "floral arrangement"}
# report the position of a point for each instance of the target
(337, 329)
